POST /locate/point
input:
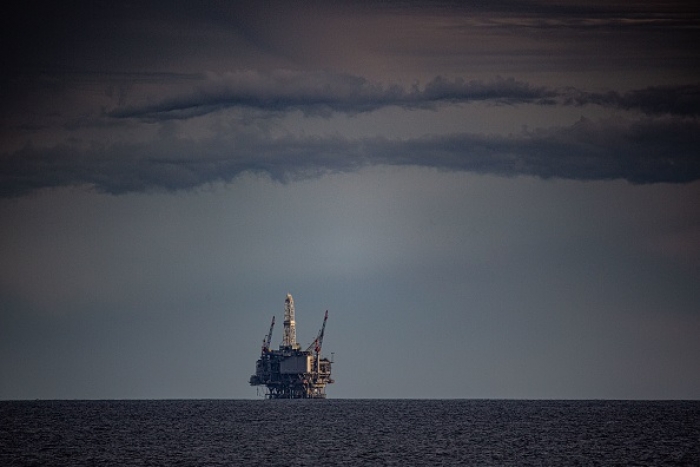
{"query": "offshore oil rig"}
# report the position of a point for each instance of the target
(292, 373)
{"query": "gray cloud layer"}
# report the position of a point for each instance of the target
(675, 100)
(658, 148)
(322, 92)
(645, 151)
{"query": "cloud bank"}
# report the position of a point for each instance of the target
(323, 92)
(681, 100)
(657, 142)
(642, 151)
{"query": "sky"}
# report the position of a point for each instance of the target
(492, 199)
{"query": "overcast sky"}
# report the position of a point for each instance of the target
(492, 199)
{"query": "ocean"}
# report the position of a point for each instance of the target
(349, 433)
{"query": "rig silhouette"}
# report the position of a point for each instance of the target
(292, 373)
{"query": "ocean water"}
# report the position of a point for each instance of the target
(349, 433)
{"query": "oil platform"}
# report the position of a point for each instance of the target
(292, 373)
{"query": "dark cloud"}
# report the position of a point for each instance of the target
(325, 92)
(321, 92)
(675, 100)
(646, 151)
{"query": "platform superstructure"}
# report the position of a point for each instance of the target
(292, 373)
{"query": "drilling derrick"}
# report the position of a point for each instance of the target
(292, 373)
(289, 340)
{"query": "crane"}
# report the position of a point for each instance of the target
(268, 338)
(318, 342)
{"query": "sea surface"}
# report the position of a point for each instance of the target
(349, 433)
